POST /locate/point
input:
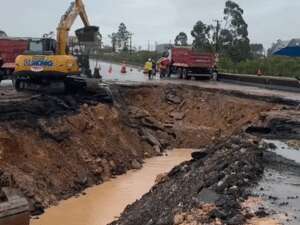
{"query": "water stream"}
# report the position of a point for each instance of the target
(102, 204)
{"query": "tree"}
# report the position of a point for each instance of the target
(257, 50)
(121, 38)
(234, 37)
(202, 36)
(181, 39)
(114, 40)
(123, 35)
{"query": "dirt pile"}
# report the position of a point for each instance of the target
(53, 147)
(280, 124)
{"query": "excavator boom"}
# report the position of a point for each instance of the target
(76, 8)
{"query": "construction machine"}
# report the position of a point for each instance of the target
(47, 65)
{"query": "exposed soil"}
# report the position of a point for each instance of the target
(218, 176)
(53, 147)
(211, 188)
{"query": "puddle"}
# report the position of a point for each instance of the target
(102, 204)
(280, 186)
(264, 221)
(286, 151)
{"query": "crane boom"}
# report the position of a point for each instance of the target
(76, 8)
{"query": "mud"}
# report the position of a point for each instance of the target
(206, 190)
(211, 188)
(102, 204)
(279, 187)
(53, 147)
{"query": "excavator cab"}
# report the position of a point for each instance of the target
(41, 46)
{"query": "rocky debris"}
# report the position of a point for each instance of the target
(208, 196)
(45, 106)
(151, 139)
(160, 178)
(199, 155)
(177, 115)
(172, 97)
(201, 214)
(279, 124)
(295, 144)
(6, 179)
(220, 179)
(136, 164)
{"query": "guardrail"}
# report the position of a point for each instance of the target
(269, 82)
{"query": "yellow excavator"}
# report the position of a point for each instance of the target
(48, 66)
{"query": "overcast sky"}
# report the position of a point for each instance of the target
(153, 20)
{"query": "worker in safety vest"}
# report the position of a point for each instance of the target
(148, 68)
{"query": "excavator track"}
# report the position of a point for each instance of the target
(25, 84)
(70, 85)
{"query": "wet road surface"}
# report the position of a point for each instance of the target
(135, 76)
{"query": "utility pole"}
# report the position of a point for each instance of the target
(218, 28)
(130, 42)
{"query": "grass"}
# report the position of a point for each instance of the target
(272, 66)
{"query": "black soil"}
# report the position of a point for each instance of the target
(218, 175)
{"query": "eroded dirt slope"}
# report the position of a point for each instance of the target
(53, 147)
(206, 190)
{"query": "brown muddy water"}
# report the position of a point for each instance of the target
(102, 204)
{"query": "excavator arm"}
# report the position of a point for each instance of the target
(76, 8)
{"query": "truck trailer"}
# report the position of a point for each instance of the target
(188, 63)
(10, 48)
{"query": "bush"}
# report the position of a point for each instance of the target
(273, 66)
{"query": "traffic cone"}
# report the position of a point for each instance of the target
(123, 68)
(259, 73)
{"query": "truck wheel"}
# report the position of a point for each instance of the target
(181, 73)
(186, 75)
(215, 76)
(17, 84)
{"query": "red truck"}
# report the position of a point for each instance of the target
(188, 63)
(10, 48)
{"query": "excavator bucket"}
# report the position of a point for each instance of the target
(88, 34)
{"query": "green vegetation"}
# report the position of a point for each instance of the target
(121, 39)
(229, 37)
(136, 58)
(273, 66)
